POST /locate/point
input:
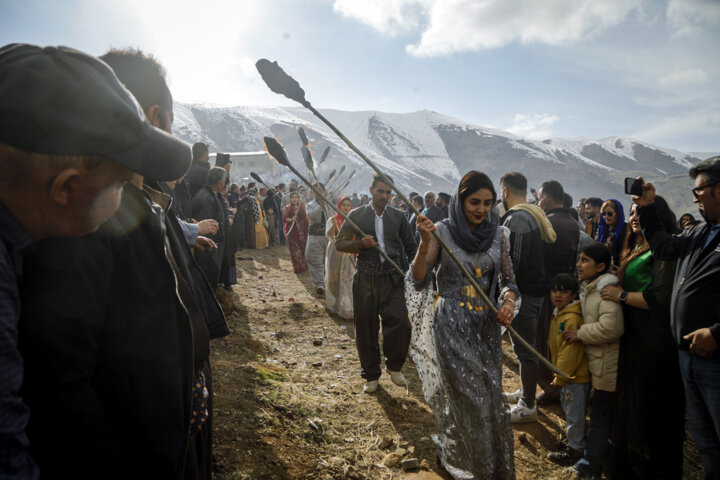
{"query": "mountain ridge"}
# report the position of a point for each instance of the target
(427, 150)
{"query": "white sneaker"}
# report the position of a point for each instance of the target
(397, 378)
(370, 386)
(514, 397)
(520, 413)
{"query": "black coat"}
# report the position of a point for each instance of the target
(108, 348)
(197, 176)
(199, 285)
(560, 257)
(527, 250)
(207, 205)
(399, 239)
(435, 214)
(182, 200)
(695, 296)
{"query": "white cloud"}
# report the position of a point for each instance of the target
(690, 17)
(470, 25)
(535, 126)
(683, 79)
(390, 17)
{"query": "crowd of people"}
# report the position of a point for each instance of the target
(116, 237)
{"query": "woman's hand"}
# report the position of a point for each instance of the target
(506, 313)
(612, 293)
(425, 226)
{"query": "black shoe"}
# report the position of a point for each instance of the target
(567, 456)
(583, 471)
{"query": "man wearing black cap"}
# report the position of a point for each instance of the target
(70, 137)
(116, 351)
(222, 160)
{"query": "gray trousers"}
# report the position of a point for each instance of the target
(315, 258)
(574, 400)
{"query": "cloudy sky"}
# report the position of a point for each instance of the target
(647, 69)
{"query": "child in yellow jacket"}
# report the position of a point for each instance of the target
(571, 359)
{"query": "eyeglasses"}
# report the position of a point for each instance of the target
(696, 191)
(608, 214)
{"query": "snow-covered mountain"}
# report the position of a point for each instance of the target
(426, 150)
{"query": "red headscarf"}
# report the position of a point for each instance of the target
(338, 218)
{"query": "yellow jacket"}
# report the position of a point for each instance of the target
(568, 357)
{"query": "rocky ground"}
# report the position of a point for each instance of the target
(289, 402)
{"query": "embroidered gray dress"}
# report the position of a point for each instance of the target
(457, 350)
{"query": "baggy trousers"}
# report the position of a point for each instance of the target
(315, 258)
(376, 297)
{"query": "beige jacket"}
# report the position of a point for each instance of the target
(601, 331)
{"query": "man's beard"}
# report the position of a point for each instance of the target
(505, 204)
(702, 213)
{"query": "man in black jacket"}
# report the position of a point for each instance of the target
(207, 205)
(530, 230)
(443, 202)
(197, 175)
(117, 353)
(378, 290)
(695, 304)
(70, 137)
(560, 257)
(432, 211)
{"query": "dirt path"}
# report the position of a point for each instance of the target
(289, 401)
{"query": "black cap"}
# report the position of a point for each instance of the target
(60, 101)
(222, 159)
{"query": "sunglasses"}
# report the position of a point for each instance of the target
(696, 191)
(608, 214)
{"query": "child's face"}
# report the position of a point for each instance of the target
(561, 297)
(587, 268)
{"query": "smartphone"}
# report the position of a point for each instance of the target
(633, 186)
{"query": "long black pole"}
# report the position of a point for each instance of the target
(352, 224)
(468, 276)
(280, 82)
